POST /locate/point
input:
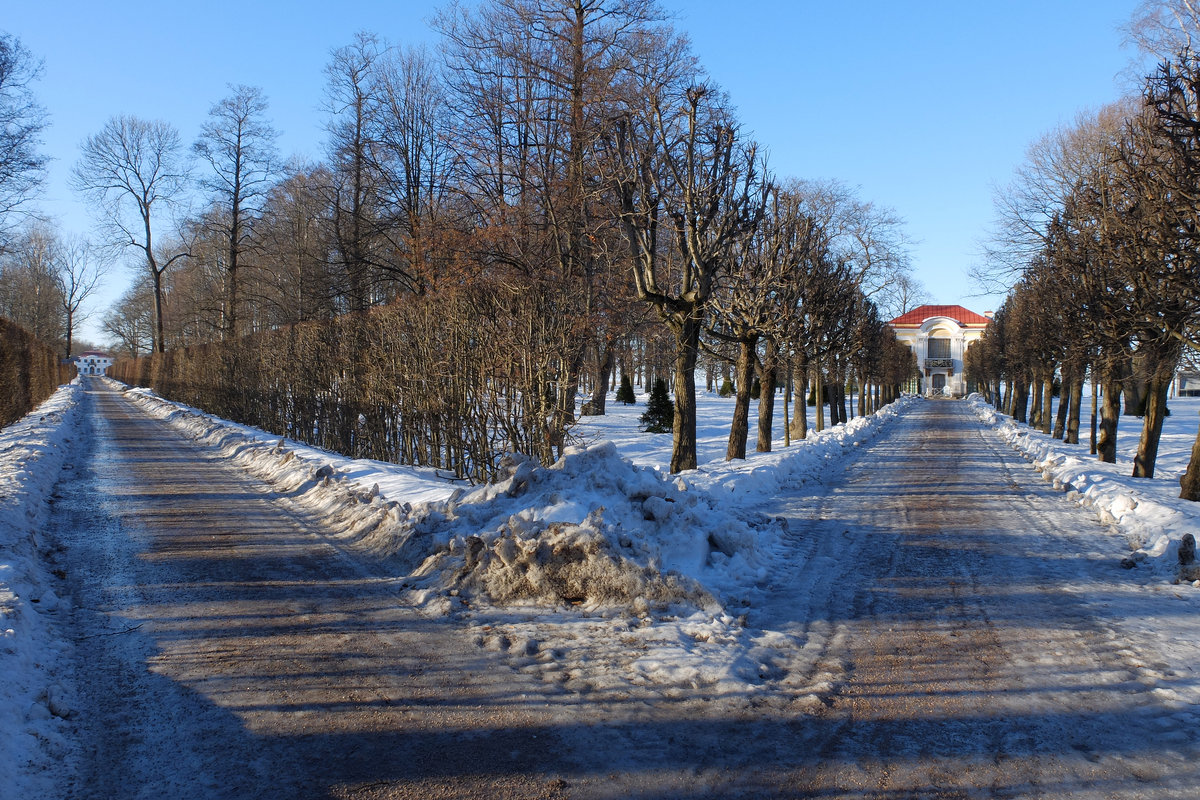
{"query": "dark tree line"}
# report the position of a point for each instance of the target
(1109, 229)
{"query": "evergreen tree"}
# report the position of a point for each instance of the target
(660, 411)
(726, 389)
(625, 392)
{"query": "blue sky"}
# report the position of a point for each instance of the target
(925, 105)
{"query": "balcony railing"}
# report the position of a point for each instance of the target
(934, 363)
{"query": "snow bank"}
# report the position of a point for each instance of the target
(33, 453)
(1149, 513)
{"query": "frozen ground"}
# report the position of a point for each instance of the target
(713, 637)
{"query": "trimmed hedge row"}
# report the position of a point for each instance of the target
(30, 371)
(452, 384)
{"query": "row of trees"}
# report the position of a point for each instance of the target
(1104, 226)
(45, 281)
(549, 151)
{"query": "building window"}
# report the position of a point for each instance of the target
(939, 348)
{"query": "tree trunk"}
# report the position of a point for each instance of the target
(159, 341)
(1047, 402)
(595, 407)
(819, 393)
(739, 428)
(1132, 388)
(1035, 408)
(1152, 423)
(1189, 483)
(1110, 412)
(799, 429)
(1065, 394)
(1020, 397)
(835, 406)
(687, 347)
(766, 397)
(1076, 402)
(1095, 407)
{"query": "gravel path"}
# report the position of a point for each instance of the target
(951, 635)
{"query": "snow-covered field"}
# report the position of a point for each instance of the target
(651, 570)
(1148, 512)
(33, 453)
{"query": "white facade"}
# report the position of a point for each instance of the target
(939, 337)
(93, 363)
(1187, 383)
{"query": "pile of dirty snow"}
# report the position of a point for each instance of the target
(595, 530)
(33, 453)
(1149, 513)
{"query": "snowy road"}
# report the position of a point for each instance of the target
(227, 651)
(991, 645)
(940, 624)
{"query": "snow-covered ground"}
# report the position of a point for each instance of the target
(653, 571)
(1148, 512)
(34, 451)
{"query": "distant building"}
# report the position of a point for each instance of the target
(93, 362)
(1187, 383)
(939, 337)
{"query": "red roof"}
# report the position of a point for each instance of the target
(964, 317)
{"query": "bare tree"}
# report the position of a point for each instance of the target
(238, 145)
(350, 94)
(760, 299)
(29, 293)
(298, 281)
(683, 163)
(130, 321)
(868, 239)
(1163, 28)
(131, 170)
(1052, 171)
(78, 270)
(22, 120)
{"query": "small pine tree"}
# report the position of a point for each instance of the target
(756, 389)
(625, 393)
(660, 411)
(726, 388)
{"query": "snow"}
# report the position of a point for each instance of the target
(1149, 513)
(33, 453)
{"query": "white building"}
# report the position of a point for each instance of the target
(93, 362)
(939, 337)
(1187, 383)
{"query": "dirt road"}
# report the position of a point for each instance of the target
(951, 648)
